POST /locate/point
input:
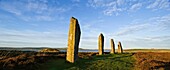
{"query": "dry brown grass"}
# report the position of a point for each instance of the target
(17, 60)
(32, 60)
(152, 60)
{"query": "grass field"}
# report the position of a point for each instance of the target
(145, 59)
(102, 62)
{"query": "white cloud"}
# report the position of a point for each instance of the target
(112, 10)
(143, 41)
(37, 7)
(131, 29)
(90, 32)
(9, 8)
(159, 4)
(89, 42)
(160, 42)
(151, 33)
(136, 6)
(146, 44)
(155, 38)
(120, 2)
(111, 7)
(150, 25)
(96, 3)
(76, 0)
(116, 7)
(34, 10)
(47, 18)
(14, 38)
(88, 26)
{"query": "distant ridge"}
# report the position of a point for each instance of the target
(35, 48)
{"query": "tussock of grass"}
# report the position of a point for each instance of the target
(102, 62)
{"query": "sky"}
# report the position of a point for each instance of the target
(137, 24)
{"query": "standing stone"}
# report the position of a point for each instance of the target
(112, 46)
(73, 40)
(120, 50)
(101, 44)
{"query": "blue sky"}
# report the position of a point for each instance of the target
(45, 23)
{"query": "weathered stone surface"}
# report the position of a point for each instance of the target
(112, 46)
(120, 50)
(101, 44)
(73, 40)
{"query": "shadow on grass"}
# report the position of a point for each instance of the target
(166, 65)
(106, 61)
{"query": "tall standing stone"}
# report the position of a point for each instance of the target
(101, 44)
(112, 46)
(73, 40)
(120, 50)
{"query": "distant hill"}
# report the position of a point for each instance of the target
(34, 48)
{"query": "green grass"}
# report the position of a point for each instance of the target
(103, 62)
